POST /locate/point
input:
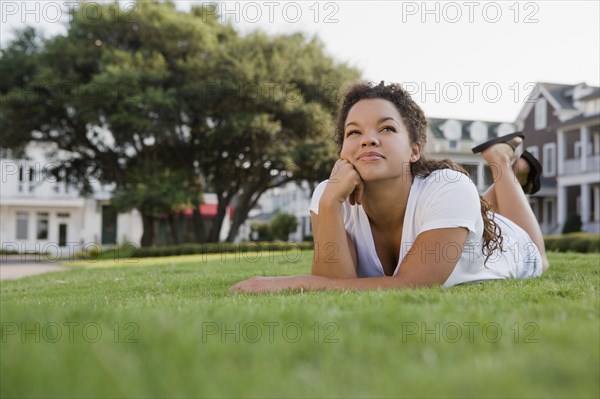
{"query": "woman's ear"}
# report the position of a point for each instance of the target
(416, 153)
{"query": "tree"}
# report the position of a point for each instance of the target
(282, 225)
(163, 101)
(108, 93)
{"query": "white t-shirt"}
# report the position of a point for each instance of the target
(444, 199)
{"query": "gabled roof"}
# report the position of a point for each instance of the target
(559, 95)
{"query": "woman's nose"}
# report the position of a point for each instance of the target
(369, 140)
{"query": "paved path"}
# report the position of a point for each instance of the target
(15, 267)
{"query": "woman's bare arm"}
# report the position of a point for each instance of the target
(429, 263)
(334, 252)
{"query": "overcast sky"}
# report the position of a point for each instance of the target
(463, 59)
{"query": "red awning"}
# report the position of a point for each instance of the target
(207, 211)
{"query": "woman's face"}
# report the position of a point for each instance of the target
(376, 141)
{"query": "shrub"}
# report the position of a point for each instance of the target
(282, 225)
(572, 224)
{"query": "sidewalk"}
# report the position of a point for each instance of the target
(13, 267)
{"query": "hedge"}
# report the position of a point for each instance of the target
(132, 251)
(573, 242)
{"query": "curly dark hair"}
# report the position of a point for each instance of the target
(416, 124)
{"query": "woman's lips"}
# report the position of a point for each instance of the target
(370, 156)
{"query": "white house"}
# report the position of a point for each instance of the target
(40, 213)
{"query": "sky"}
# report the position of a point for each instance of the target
(474, 60)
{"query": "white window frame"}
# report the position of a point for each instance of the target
(533, 203)
(42, 217)
(22, 216)
(545, 205)
(541, 114)
(549, 162)
(534, 150)
(577, 150)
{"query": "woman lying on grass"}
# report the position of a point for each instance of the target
(388, 218)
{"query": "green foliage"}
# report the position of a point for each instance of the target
(263, 231)
(170, 328)
(573, 242)
(572, 225)
(282, 225)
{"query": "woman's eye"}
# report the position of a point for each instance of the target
(351, 132)
(389, 128)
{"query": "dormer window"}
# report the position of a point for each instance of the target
(452, 130)
(541, 116)
(592, 107)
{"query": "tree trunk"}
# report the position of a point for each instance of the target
(148, 239)
(241, 213)
(215, 230)
(173, 228)
(199, 232)
(248, 201)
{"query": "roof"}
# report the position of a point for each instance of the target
(560, 93)
(560, 96)
(580, 119)
(593, 94)
(435, 123)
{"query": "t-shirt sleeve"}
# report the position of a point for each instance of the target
(449, 199)
(316, 197)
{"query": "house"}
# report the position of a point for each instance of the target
(43, 214)
(453, 139)
(562, 127)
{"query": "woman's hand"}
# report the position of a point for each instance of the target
(283, 283)
(344, 182)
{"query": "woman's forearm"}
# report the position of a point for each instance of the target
(334, 256)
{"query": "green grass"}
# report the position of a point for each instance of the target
(174, 323)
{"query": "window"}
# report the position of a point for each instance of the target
(63, 215)
(549, 160)
(577, 149)
(541, 117)
(534, 150)
(42, 225)
(22, 225)
(488, 177)
(533, 203)
(452, 144)
(21, 178)
(549, 212)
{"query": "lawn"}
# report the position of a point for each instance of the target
(168, 327)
